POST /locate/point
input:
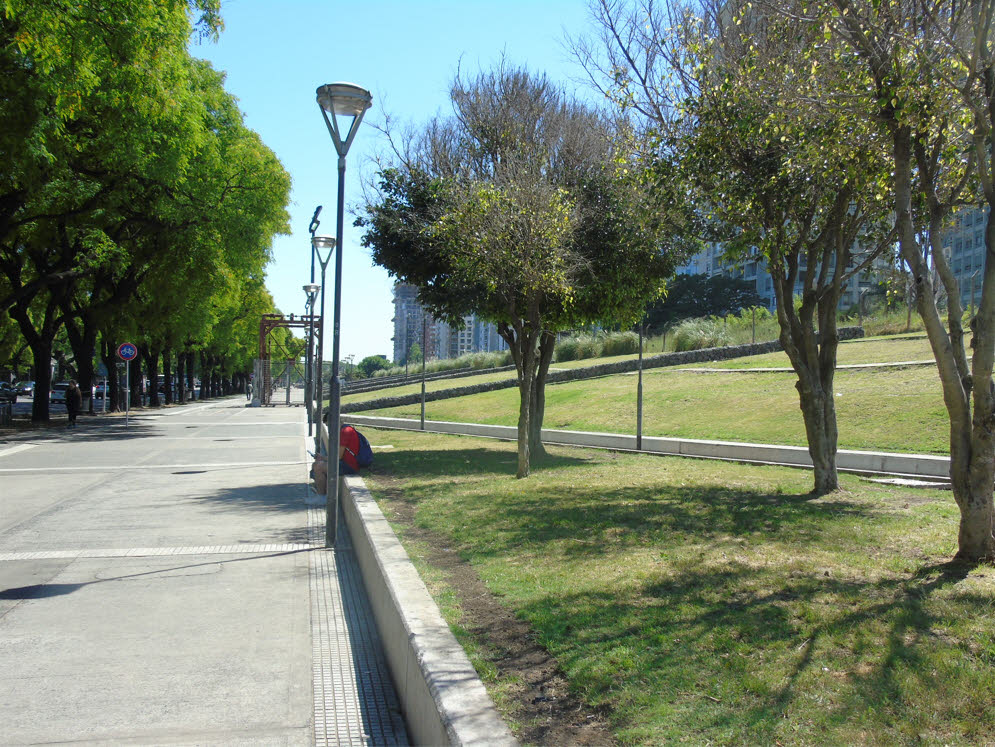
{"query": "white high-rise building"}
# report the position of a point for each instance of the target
(964, 246)
(437, 338)
(710, 262)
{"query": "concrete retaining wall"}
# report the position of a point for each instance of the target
(443, 699)
(878, 462)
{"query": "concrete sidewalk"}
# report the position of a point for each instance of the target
(165, 584)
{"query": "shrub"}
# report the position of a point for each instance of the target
(620, 343)
(566, 350)
(696, 334)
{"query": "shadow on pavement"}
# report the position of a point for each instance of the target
(44, 591)
(279, 497)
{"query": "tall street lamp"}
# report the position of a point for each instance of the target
(320, 244)
(342, 107)
(311, 290)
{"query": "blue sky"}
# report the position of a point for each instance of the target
(406, 54)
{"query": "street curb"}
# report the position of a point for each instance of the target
(442, 698)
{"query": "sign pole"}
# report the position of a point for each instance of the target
(127, 352)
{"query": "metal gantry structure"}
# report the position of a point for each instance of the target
(263, 387)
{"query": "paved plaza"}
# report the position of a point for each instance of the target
(165, 583)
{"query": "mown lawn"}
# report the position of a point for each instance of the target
(894, 409)
(712, 603)
(872, 350)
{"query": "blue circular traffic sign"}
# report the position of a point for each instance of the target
(126, 351)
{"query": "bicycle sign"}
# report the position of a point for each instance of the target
(127, 351)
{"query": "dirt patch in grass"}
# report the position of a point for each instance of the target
(538, 693)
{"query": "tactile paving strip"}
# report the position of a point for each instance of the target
(354, 699)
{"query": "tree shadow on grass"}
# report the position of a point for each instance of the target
(446, 463)
(639, 515)
(732, 650)
(587, 520)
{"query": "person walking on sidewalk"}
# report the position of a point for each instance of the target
(74, 402)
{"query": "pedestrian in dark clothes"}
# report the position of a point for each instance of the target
(74, 402)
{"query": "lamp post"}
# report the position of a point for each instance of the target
(348, 103)
(321, 243)
(311, 289)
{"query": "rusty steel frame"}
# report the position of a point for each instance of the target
(267, 324)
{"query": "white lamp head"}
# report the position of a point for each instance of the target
(345, 100)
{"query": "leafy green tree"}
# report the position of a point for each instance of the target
(96, 111)
(525, 208)
(775, 177)
(133, 185)
(371, 364)
(414, 353)
(694, 296)
(929, 92)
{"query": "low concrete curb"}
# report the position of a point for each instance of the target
(871, 462)
(443, 699)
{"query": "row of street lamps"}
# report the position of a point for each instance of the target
(340, 104)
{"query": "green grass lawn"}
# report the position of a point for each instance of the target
(891, 409)
(877, 409)
(872, 350)
(705, 602)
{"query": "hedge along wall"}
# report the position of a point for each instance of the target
(590, 372)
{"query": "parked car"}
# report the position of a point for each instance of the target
(99, 390)
(58, 393)
(7, 392)
(27, 388)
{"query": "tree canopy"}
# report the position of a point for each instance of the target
(528, 209)
(133, 200)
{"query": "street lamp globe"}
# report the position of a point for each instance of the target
(322, 243)
(345, 100)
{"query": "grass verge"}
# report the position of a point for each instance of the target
(705, 602)
(877, 409)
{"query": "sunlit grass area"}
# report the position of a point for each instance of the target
(873, 350)
(712, 603)
(893, 409)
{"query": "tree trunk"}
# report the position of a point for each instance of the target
(107, 356)
(547, 345)
(151, 355)
(83, 340)
(812, 354)
(190, 376)
(167, 370)
(524, 416)
(41, 349)
(135, 373)
(205, 375)
(523, 347)
(181, 392)
(40, 341)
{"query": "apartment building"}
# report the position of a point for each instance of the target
(437, 338)
(964, 246)
(711, 262)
